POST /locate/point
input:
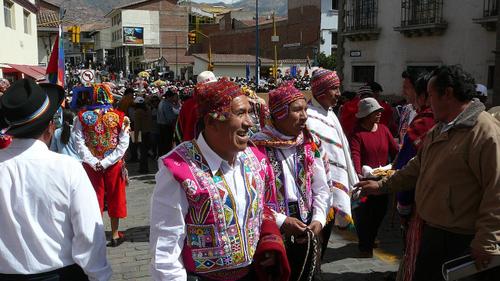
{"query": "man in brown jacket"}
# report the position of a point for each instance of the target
(456, 176)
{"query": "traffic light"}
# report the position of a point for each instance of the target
(192, 37)
(272, 72)
(75, 33)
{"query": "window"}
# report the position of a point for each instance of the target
(414, 12)
(8, 11)
(363, 73)
(334, 38)
(335, 4)
(361, 14)
(27, 22)
(491, 76)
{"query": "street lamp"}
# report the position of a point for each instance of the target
(210, 65)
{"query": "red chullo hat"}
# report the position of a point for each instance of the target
(215, 98)
(280, 98)
(322, 80)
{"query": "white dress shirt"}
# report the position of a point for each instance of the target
(49, 214)
(319, 185)
(169, 207)
(86, 155)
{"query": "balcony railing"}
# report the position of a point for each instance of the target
(490, 8)
(421, 17)
(361, 19)
(490, 15)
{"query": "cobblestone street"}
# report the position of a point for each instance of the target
(130, 261)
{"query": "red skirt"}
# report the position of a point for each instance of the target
(110, 185)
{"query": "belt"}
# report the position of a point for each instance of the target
(68, 273)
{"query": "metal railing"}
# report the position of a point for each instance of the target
(360, 15)
(416, 12)
(490, 8)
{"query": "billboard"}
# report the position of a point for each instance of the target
(133, 35)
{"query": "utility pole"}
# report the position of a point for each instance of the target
(275, 39)
(340, 41)
(176, 64)
(496, 75)
(257, 74)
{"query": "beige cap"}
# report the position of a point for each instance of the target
(367, 106)
(206, 77)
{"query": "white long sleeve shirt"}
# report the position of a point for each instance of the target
(86, 155)
(49, 214)
(319, 186)
(169, 207)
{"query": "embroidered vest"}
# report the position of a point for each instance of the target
(216, 239)
(305, 159)
(101, 130)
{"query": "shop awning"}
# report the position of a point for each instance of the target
(33, 71)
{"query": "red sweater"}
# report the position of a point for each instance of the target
(187, 119)
(372, 148)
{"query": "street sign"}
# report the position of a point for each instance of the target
(87, 76)
(354, 54)
(275, 38)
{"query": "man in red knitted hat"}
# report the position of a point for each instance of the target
(208, 214)
(301, 181)
(323, 123)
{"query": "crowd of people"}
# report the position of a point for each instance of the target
(248, 187)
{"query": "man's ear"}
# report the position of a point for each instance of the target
(208, 121)
(448, 93)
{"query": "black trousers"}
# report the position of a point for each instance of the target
(439, 246)
(68, 273)
(301, 261)
(367, 218)
(144, 148)
(166, 139)
(326, 232)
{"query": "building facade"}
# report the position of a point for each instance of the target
(19, 32)
(104, 52)
(47, 20)
(383, 38)
(329, 26)
(147, 32)
(299, 33)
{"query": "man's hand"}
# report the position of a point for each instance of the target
(368, 188)
(292, 226)
(482, 259)
(316, 227)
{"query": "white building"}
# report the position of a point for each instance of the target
(329, 26)
(383, 38)
(19, 35)
(102, 45)
(145, 33)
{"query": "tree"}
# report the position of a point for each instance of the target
(327, 62)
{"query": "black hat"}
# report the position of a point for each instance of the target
(26, 106)
(376, 87)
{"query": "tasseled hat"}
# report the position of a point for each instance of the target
(215, 98)
(322, 80)
(280, 98)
